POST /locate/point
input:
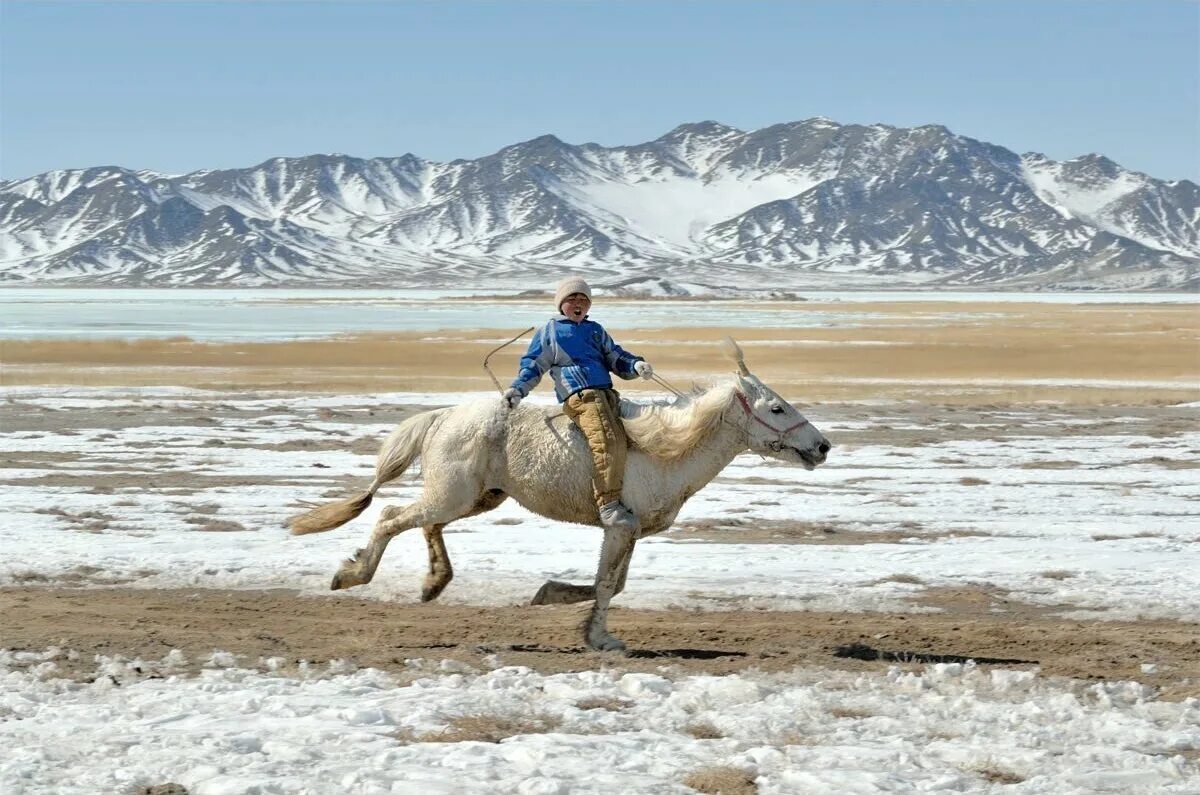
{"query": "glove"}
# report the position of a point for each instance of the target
(512, 398)
(643, 369)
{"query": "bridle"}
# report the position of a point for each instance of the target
(777, 445)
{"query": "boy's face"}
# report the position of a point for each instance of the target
(575, 306)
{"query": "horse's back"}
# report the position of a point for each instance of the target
(534, 453)
(548, 467)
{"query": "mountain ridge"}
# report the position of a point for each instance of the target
(805, 203)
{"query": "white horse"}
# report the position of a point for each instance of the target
(476, 455)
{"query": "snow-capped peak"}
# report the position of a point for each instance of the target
(793, 204)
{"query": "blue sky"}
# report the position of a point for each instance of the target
(181, 86)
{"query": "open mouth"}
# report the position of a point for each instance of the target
(809, 458)
(810, 462)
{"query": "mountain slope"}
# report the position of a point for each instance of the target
(801, 204)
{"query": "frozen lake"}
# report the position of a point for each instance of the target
(256, 314)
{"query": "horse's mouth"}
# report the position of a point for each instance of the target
(809, 459)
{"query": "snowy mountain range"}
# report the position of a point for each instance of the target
(704, 208)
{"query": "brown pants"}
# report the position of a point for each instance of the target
(597, 413)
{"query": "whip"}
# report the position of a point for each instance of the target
(495, 350)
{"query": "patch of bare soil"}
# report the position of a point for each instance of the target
(721, 781)
(981, 599)
(1166, 463)
(147, 624)
(792, 531)
(488, 728)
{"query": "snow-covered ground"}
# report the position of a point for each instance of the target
(1114, 510)
(235, 731)
(1106, 508)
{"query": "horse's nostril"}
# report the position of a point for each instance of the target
(823, 448)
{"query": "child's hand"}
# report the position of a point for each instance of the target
(643, 369)
(512, 398)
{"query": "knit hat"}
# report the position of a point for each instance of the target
(568, 286)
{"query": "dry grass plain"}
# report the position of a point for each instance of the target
(937, 352)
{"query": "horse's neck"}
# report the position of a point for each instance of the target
(710, 457)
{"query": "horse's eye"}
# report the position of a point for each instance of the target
(776, 409)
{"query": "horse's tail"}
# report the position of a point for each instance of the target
(395, 456)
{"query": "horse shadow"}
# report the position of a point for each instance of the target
(637, 654)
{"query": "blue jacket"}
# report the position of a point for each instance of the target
(577, 355)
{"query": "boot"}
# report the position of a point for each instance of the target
(615, 515)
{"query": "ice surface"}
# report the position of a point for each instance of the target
(249, 314)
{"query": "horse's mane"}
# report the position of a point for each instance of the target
(671, 431)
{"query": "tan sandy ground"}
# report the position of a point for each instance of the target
(933, 352)
(254, 624)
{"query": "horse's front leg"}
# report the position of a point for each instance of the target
(615, 555)
(555, 592)
(558, 592)
(623, 571)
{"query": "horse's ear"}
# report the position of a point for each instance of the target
(734, 352)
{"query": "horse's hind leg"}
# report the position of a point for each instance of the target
(440, 570)
(360, 568)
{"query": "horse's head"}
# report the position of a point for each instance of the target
(773, 426)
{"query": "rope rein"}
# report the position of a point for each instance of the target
(742, 399)
(658, 379)
(663, 383)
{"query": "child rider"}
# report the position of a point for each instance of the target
(579, 355)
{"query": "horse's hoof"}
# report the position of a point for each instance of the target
(343, 580)
(606, 643)
(431, 592)
(539, 598)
